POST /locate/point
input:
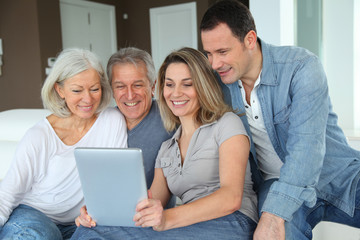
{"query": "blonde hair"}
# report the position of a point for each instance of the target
(69, 63)
(210, 97)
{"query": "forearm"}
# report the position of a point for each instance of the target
(220, 203)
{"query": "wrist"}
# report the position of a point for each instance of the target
(162, 226)
(273, 217)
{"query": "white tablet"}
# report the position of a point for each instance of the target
(113, 182)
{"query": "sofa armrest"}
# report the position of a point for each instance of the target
(15, 122)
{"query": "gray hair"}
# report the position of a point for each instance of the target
(134, 56)
(69, 63)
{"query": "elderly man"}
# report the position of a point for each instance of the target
(132, 78)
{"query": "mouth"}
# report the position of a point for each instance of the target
(222, 72)
(86, 108)
(178, 103)
(131, 104)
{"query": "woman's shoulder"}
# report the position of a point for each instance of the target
(38, 134)
(230, 122)
(229, 118)
(42, 127)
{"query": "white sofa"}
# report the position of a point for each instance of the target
(13, 125)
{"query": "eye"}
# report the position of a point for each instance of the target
(138, 85)
(222, 52)
(119, 86)
(95, 89)
(169, 84)
(76, 91)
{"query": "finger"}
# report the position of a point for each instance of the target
(84, 216)
(150, 194)
(142, 213)
(143, 204)
(83, 210)
(79, 221)
(148, 221)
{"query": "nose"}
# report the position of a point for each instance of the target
(215, 62)
(177, 91)
(130, 93)
(87, 97)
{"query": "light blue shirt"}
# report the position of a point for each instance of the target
(303, 130)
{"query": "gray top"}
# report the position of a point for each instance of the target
(199, 175)
(148, 135)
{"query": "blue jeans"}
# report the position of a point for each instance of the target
(233, 226)
(305, 219)
(28, 223)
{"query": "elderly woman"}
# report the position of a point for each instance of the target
(204, 163)
(41, 196)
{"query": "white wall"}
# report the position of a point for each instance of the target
(338, 56)
(356, 29)
(274, 20)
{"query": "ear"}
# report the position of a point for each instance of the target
(59, 90)
(250, 39)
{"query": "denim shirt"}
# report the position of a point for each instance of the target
(303, 130)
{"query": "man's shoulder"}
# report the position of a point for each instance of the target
(285, 54)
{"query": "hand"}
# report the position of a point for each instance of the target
(270, 227)
(150, 214)
(84, 219)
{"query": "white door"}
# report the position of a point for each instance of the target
(90, 26)
(172, 27)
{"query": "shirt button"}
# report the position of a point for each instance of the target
(179, 165)
(256, 117)
(247, 106)
(180, 172)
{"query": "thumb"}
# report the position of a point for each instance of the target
(150, 194)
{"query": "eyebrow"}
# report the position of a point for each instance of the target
(77, 85)
(185, 79)
(136, 81)
(218, 50)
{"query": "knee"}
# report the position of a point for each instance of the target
(13, 230)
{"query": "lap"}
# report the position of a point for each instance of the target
(305, 219)
(235, 225)
(28, 223)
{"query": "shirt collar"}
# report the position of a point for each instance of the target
(176, 135)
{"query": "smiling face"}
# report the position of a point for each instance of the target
(226, 54)
(179, 91)
(132, 91)
(82, 93)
